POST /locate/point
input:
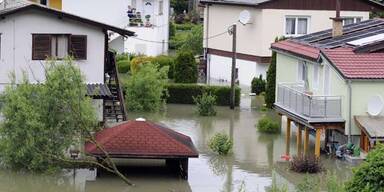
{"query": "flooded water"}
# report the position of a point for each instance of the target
(250, 167)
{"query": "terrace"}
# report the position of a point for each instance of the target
(304, 105)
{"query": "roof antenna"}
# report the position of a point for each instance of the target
(337, 28)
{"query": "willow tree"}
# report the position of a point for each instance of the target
(42, 121)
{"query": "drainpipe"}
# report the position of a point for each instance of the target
(349, 82)
(208, 65)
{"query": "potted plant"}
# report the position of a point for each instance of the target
(147, 18)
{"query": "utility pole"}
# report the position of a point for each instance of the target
(232, 31)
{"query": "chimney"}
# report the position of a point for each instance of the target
(337, 26)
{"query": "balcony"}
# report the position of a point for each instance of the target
(292, 98)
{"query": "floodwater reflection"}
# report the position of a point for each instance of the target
(249, 167)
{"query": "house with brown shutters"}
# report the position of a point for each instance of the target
(268, 19)
(30, 33)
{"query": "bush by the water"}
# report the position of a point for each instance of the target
(161, 60)
(206, 104)
(184, 93)
(306, 164)
(185, 68)
(258, 85)
(145, 90)
(267, 125)
(369, 175)
(221, 143)
(123, 66)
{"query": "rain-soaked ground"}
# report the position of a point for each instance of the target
(250, 167)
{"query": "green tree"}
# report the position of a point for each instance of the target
(369, 176)
(185, 68)
(194, 41)
(271, 79)
(145, 89)
(43, 121)
(179, 6)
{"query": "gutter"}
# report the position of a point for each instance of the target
(349, 82)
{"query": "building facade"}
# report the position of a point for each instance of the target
(268, 19)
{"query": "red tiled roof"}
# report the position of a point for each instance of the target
(295, 48)
(356, 65)
(142, 139)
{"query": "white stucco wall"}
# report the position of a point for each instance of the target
(16, 45)
(266, 24)
(115, 13)
(220, 70)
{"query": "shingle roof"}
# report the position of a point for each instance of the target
(352, 64)
(236, 2)
(142, 139)
(25, 5)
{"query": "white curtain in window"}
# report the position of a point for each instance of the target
(302, 26)
(290, 25)
(62, 46)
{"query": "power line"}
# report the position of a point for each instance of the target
(161, 42)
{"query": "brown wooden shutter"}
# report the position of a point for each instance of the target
(78, 44)
(41, 47)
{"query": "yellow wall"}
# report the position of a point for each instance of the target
(56, 4)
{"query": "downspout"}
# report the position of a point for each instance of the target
(208, 65)
(349, 82)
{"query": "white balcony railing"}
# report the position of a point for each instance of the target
(294, 98)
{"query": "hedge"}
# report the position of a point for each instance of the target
(184, 93)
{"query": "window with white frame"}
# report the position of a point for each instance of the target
(316, 81)
(302, 71)
(296, 25)
(351, 20)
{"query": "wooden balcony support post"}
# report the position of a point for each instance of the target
(299, 139)
(288, 137)
(317, 144)
(306, 140)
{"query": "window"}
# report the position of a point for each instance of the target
(302, 71)
(351, 20)
(296, 25)
(59, 46)
(44, 2)
(161, 5)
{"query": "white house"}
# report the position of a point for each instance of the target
(31, 32)
(268, 19)
(149, 19)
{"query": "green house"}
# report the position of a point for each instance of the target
(331, 84)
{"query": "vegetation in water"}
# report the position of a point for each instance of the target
(185, 68)
(221, 144)
(306, 164)
(145, 90)
(206, 104)
(258, 85)
(267, 125)
(369, 175)
(309, 184)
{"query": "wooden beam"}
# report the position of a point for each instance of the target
(288, 137)
(306, 140)
(317, 144)
(299, 139)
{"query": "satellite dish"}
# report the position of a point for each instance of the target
(245, 17)
(375, 105)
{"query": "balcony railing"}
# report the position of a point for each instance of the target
(294, 98)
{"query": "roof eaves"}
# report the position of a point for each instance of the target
(283, 51)
(59, 13)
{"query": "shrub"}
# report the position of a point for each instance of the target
(138, 61)
(308, 185)
(369, 175)
(194, 41)
(258, 85)
(145, 90)
(172, 29)
(267, 125)
(185, 68)
(123, 66)
(179, 19)
(184, 93)
(206, 104)
(306, 164)
(163, 61)
(334, 184)
(184, 27)
(221, 144)
(178, 40)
